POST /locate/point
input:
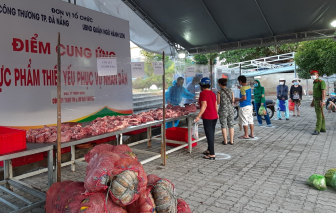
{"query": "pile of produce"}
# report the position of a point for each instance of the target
(115, 182)
(102, 125)
(321, 182)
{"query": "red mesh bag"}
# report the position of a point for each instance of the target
(182, 206)
(124, 151)
(99, 171)
(70, 197)
(100, 149)
(130, 180)
(145, 203)
(152, 180)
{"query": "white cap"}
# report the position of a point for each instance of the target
(296, 79)
(282, 79)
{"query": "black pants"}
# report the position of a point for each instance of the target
(209, 129)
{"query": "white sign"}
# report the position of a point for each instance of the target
(158, 68)
(107, 66)
(138, 69)
(28, 63)
(190, 72)
(206, 72)
(233, 75)
(219, 73)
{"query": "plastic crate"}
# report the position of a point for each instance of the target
(178, 134)
(25, 160)
(105, 140)
(12, 140)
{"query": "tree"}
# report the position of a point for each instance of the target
(235, 56)
(204, 58)
(316, 55)
(150, 77)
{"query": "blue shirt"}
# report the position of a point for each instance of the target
(245, 91)
(176, 93)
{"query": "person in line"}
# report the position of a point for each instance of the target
(282, 98)
(296, 95)
(319, 94)
(246, 109)
(225, 99)
(192, 88)
(177, 92)
(208, 113)
(331, 103)
(259, 100)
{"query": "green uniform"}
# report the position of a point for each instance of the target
(319, 86)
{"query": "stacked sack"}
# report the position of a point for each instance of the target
(115, 182)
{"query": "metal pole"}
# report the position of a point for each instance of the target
(163, 144)
(74, 2)
(307, 88)
(69, 1)
(294, 70)
(58, 109)
(239, 69)
(211, 76)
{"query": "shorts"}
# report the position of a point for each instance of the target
(226, 119)
(246, 114)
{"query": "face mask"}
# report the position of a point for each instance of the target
(256, 85)
(281, 83)
(296, 83)
(314, 77)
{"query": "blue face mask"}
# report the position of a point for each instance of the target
(256, 85)
(296, 83)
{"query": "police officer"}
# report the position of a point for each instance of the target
(319, 95)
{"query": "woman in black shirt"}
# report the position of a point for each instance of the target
(296, 95)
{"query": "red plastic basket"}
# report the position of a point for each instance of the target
(25, 160)
(12, 140)
(178, 134)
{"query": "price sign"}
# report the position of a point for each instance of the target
(158, 67)
(107, 66)
(138, 69)
(190, 71)
(206, 73)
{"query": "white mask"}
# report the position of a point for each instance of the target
(281, 83)
(313, 77)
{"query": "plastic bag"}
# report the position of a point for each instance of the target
(291, 105)
(262, 110)
(330, 177)
(194, 130)
(318, 181)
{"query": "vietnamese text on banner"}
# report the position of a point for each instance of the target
(107, 66)
(158, 67)
(138, 69)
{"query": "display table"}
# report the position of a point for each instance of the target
(9, 181)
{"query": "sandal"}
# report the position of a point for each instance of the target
(251, 136)
(231, 143)
(206, 152)
(208, 157)
(242, 137)
(224, 143)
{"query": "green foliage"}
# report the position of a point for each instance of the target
(236, 56)
(316, 55)
(150, 78)
(204, 58)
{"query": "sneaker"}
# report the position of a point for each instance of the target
(269, 125)
(259, 124)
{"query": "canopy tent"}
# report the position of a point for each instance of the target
(202, 26)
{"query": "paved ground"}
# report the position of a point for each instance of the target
(264, 175)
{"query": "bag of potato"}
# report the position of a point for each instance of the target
(163, 194)
(70, 197)
(129, 180)
(144, 204)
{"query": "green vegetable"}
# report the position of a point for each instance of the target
(330, 177)
(318, 181)
(262, 110)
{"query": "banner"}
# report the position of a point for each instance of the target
(28, 63)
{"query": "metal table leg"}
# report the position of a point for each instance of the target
(73, 158)
(190, 120)
(8, 172)
(50, 168)
(149, 136)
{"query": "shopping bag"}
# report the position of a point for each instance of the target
(194, 130)
(262, 110)
(291, 105)
(282, 105)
